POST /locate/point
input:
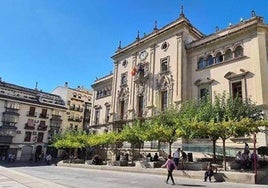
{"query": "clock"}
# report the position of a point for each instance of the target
(143, 55)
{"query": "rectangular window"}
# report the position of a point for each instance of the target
(97, 116)
(237, 89)
(164, 65)
(164, 100)
(42, 123)
(27, 137)
(123, 78)
(122, 109)
(203, 92)
(140, 106)
(30, 122)
(43, 113)
(40, 137)
(32, 111)
(107, 114)
(12, 105)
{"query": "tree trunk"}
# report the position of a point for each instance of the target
(214, 150)
(169, 147)
(132, 158)
(224, 154)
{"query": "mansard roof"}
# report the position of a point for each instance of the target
(27, 95)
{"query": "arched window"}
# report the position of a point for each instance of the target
(201, 63)
(218, 58)
(210, 60)
(238, 51)
(228, 55)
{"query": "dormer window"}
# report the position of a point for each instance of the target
(228, 55)
(201, 63)
(219, 58)
(210, 60)
(238, 52)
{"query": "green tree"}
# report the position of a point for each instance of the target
(164, 126)
(104, 139)
(135, 134)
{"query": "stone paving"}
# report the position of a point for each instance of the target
(12, 179)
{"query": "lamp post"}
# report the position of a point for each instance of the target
(255, 157)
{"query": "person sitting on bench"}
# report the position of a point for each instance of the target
(209, 173)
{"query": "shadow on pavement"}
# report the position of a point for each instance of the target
(9, 164)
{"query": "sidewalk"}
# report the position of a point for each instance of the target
(220, 176)
(11, 178)
(14, 179)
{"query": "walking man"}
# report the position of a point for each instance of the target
(176, 157)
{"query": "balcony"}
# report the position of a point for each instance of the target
(56, 118)
(31, 114)
(29, 127)
(8, 130)
(78, 109)
(44, 116)
(6, 139)
(75, 119)
(9, 123)
(11, 111)
(42, 127)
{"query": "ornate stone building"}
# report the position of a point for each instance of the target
(178, 62)
(101, 107)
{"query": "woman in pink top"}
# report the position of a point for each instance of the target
(170, 165)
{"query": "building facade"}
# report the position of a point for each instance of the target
(101, 107)
(29, 118)
(78, 103)
(178, 63)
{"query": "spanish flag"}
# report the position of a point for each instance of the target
(134, 71)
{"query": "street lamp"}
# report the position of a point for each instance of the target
(255, 157)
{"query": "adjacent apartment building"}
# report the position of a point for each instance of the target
(28, 120)
(78, 103)
(178, 62)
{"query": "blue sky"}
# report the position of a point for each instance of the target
(57, 41)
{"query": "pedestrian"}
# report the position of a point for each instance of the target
(9, 157)
(13, 157)
(170, 165)
(209, 173)
(176, 157)
(48, 159)
(183, 159)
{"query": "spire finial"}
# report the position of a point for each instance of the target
(155, 26)
(138, 35)
(217, 28)
(119, 45)
(253, 14)
(181, 14)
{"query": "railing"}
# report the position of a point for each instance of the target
(32, 114)
(42, 128)
(29, 127)
(45, 116)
